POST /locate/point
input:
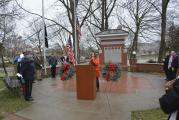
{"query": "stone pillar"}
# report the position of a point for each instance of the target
(133, 65)
(124, 62)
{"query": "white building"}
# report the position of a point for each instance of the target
(148, 52)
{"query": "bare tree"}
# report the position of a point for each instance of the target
(163, 30)
(35, 40)
(101, 12)
(8, 12)
(163, 9)
(99, 20)
(68, 24)
(107, 8)
(83, 7)
(14, 45)
(141, 18)
(173, 42)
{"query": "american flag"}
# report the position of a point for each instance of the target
(78, 29)
(70, 51)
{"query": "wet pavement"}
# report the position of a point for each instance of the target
(56, 99)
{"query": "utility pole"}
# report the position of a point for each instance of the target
(44, 48)
(76, 42)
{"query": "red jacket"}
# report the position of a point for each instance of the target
(95, 62)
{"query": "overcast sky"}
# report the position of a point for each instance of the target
(35, 6)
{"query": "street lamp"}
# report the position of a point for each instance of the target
(134, 54)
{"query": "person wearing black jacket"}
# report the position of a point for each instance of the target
(28, 71)
(53, 62)
(19, 74)
(169, 102)
(165, 66)
(172, 66)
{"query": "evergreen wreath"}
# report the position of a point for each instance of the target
(66, 71)
(111, 71)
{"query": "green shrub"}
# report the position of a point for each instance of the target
(152, 114)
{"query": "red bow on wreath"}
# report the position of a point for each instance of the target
(111, 68)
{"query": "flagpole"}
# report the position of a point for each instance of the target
(43, 19)
(76, 49)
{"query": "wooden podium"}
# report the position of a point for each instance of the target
(86, 82)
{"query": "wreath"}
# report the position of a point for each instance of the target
(66, 71)
(111, 71)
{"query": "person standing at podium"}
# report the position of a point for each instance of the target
(95, 61)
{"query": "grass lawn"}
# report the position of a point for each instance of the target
(152, 114)
(1, 117)
(11, 103)
(1, 84)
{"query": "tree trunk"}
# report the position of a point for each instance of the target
(162, 42)
(134, 44)
(106, 16)
(2, 58)
(3, 64)
(103, 16)
(2, 48)
(163, 30)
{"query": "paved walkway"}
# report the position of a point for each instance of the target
(56, 100)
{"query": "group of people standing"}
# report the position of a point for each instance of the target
(53, 63)
(28, 65)
(169, 102)
(171, 63)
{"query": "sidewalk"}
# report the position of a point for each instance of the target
(56, 100)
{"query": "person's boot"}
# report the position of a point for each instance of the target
(29, 99)
(97, 90)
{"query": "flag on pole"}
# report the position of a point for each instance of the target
(78, 29)
(46, 38)
(70, 51)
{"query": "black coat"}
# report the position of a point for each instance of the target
(52, 61)
(19, 67)
(27, 69)
(165, 66)
(169, 102)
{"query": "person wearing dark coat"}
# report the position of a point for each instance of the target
(19, 69)
(169, 102)
(177, 62)
(165, 66)
(53, 62)
(28, 71)
(172, 66)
